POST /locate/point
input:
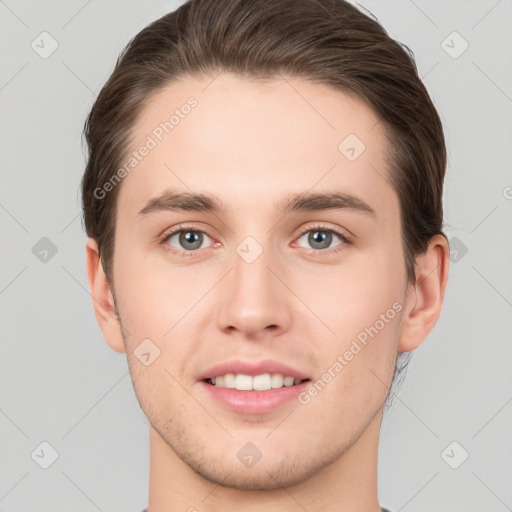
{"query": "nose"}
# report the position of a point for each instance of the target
(253, 301)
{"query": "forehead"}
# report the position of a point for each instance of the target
(245, 141)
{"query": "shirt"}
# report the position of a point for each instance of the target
(382, 509)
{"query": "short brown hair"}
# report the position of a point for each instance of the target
(331, 43)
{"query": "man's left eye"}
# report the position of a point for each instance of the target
(322, 238)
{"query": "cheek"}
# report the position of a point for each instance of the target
(355, 295)
(362, 305)
(151, 291)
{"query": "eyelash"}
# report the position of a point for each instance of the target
(346, 240)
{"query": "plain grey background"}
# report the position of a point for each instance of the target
(61, 385)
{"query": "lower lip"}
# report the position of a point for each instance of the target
(254, 402)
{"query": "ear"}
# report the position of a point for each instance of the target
(102, 299)
(424, 301)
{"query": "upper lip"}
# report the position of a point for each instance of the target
(252, 368)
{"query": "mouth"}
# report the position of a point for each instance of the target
(250, 387)
(260, 382)
(253, 395)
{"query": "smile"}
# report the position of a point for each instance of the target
(262, 382)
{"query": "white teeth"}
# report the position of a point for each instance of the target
(277, 380)
(243, 382)
(288, 381)
(229, 380)
(262, 382)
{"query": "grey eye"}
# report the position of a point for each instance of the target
(188, 239)
(319, 238)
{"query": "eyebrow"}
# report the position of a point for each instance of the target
(301, 202)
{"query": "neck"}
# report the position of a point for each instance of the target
(348, 484)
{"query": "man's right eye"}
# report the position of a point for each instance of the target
(185, 240)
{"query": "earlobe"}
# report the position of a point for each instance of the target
(102, 298)
(425, 300)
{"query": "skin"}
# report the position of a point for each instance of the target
(251, 144)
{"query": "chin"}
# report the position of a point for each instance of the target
(255, 479)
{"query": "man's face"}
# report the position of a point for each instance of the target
(255, 283)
